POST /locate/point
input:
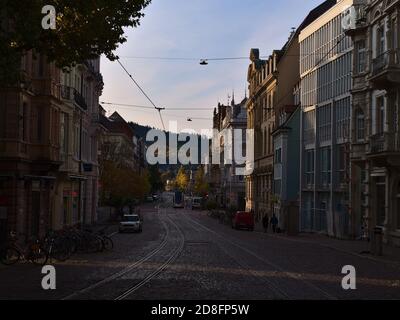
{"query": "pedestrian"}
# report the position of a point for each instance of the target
(274, 222)
(265, 221)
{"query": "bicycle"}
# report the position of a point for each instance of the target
(12, 252)
(107, 242)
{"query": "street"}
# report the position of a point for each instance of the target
(185, 254)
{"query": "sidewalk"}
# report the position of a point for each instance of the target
(391, 255)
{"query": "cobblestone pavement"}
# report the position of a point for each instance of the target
(184, 254)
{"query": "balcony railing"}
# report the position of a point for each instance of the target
(384, 61)
(383, 142)
(69, 93)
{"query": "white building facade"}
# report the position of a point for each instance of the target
(326, 81)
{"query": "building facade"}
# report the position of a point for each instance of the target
(326, 69)
(286, 136)
(76, 198)
(41, 151)
(262, 80)
(228, 186)
(375, 136)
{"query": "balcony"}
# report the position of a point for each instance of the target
(386, 70)
(382, 142)
(384, 149)
(72, 95)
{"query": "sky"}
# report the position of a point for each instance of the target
(195, 29)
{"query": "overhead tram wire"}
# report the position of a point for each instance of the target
(205, 59)
(316, 65)
(144, 93)
(148, 107)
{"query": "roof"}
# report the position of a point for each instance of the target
(116, 124)
(317, 12)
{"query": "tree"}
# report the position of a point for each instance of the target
(155, 180)
(200, 183)
(181, 180)
(122, 186)
(84, 30)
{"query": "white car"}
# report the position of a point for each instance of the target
(130, 223)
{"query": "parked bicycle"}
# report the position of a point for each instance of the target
(12, 252)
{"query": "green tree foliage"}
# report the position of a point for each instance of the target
(181, 180)
(156, 182)
(200, 183)
(84, 30)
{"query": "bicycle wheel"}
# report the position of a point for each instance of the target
(9, 256)
(61, 252)
(38, 255)
(108, 244)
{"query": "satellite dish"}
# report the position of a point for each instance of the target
(203, 62)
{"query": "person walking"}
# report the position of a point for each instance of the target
(265, 222)
(274, 222)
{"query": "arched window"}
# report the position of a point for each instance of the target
(360, 125)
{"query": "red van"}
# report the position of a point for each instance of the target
(243, 220)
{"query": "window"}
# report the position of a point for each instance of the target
(309, 126)
(278, 155)
(84, 144)
(325, 166)
(76, 141)
(64, 135)
(342, 164)
(324, 123)
(309, 167)
(360, 126)
(342, 109)
(380, 40)
(361, 59)
(380, 114)
(24, 122)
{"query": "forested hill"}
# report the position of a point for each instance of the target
(141, 131)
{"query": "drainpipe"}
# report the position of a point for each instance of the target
(82, 217)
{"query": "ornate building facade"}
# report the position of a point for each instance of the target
(48, 148)
(262, 80)
(375, 136)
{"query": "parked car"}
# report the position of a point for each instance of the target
(196, 203)
(156, 197)
(130, 223)
(243, 220)
(149, 199)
